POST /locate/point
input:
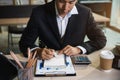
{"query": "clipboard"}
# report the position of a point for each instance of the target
(67, 71)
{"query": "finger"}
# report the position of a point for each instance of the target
(45, 51)
(62, 51)
(52, 52)
(28, 49)
(34, 54)
(67, 47)
(49, 51)
(68, 52)
(46, 55)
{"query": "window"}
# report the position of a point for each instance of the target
(93, 1)
(6, 2)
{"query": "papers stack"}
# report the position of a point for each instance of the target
(56, 62)
(69, 70)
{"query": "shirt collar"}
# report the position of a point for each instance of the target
(73, 11)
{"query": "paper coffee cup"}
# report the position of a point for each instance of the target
(106, 60)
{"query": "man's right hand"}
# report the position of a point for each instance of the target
(45, 53)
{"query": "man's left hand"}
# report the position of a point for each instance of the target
(69, 50)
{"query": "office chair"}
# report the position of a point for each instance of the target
(12, 30)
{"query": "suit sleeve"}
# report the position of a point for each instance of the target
(29, 36)
(97, 39)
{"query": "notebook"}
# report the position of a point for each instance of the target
(57, 61)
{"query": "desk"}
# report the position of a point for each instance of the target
(13, 21)
(89, 72)
(99, 18)
(16, 21)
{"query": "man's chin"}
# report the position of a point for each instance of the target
(65, 12)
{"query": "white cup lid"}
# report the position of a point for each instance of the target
(106, 54)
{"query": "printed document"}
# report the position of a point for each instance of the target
(56, 62)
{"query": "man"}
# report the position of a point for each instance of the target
(62, 25)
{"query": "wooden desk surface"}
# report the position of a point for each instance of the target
(86, 72)
(16, 21)
(100, 18)
(13, 21)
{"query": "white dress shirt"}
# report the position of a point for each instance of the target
(62, 25)
(63, 21)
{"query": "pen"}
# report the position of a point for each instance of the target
(29, 53)
(43, 45)
(16, 59)
(55, 54)
(31, 61)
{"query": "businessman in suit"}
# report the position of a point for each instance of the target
(62, 25)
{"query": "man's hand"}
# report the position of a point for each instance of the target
(45, 53)
(69, 50)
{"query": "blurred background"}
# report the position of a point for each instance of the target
(20, 10)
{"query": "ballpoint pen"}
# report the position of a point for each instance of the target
(43, 45)
(16, 59)
(55, 53)
(29, 52)
(31, 60)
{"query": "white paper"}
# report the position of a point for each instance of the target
(69, 69)
(56, 62)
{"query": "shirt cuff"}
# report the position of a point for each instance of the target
(33, 48)
(83, 49)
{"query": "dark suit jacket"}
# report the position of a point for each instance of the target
(43, 24)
